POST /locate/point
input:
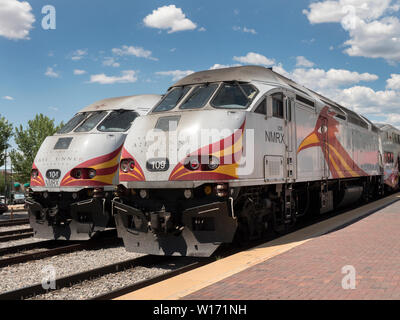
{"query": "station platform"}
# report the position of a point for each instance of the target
(355, 255)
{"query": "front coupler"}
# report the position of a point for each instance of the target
(81, 222)
(201, 231)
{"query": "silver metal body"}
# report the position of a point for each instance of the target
(299, 143)
(64, 206)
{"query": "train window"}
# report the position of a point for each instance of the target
(262, 107)
(91, 121)
(234, 96)
(199, 96)
(277, 105)
(118, 121)
(172, 98)
(71, 124)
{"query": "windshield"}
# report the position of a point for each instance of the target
(172, 98)
(199, 96)
(117, 121)
(71, 124)
(91, 121)
(234, 96)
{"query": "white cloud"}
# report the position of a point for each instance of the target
(373, 31)
(303, 62)
(393, 82)
(51, 73)
(175, 74)
(319, 79)
(370, 102)
(245, 29)
(110, 62)
(255, 58)
(16, 19)
(169, 17)
(202, 29)
(53, 108)
(134, 51)
(376, 39)
(79, 72)
(8, 98)
(336, 11)
(127, 76)
(79, 54)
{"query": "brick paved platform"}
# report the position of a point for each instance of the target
(313, 270)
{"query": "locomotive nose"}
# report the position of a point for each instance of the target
(167, 147)
(77, 161)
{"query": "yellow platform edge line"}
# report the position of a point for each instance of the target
(194, 280)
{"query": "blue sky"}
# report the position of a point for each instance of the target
(346, 49)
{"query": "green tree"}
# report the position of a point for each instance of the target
(29, 141)
(2, 183)
(5, 135)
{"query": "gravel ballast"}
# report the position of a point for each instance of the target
(26, 274)
(92, 288)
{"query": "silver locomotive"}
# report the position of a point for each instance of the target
(75, 171)
(229, 154)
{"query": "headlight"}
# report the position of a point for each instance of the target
(131, 165)
(125, 165)
(76, 173)
(213, 163)
(91, 173)
(193, 164)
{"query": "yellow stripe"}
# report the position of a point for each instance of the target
(343, 162)
(336, 167)
(180, 169)
(229, 150)
(107, 164)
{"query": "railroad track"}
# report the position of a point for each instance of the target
(51, 249)
(69, 281)
(146, 261)
(16, 234)
(16, 222)
(148, 282)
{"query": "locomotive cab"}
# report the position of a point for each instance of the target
(76, 169)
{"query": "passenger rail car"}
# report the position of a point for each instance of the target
(76, 170)
(390, 137)
(229, 153)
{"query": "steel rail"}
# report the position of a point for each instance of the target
(12, 232)
(16, 222)
(70, 280)
(148, 282)
(18, 236)
(27, 246)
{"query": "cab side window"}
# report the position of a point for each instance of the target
(262, 107)
(277, 105)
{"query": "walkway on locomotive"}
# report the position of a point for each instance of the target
(85, 152)
(275, 121)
